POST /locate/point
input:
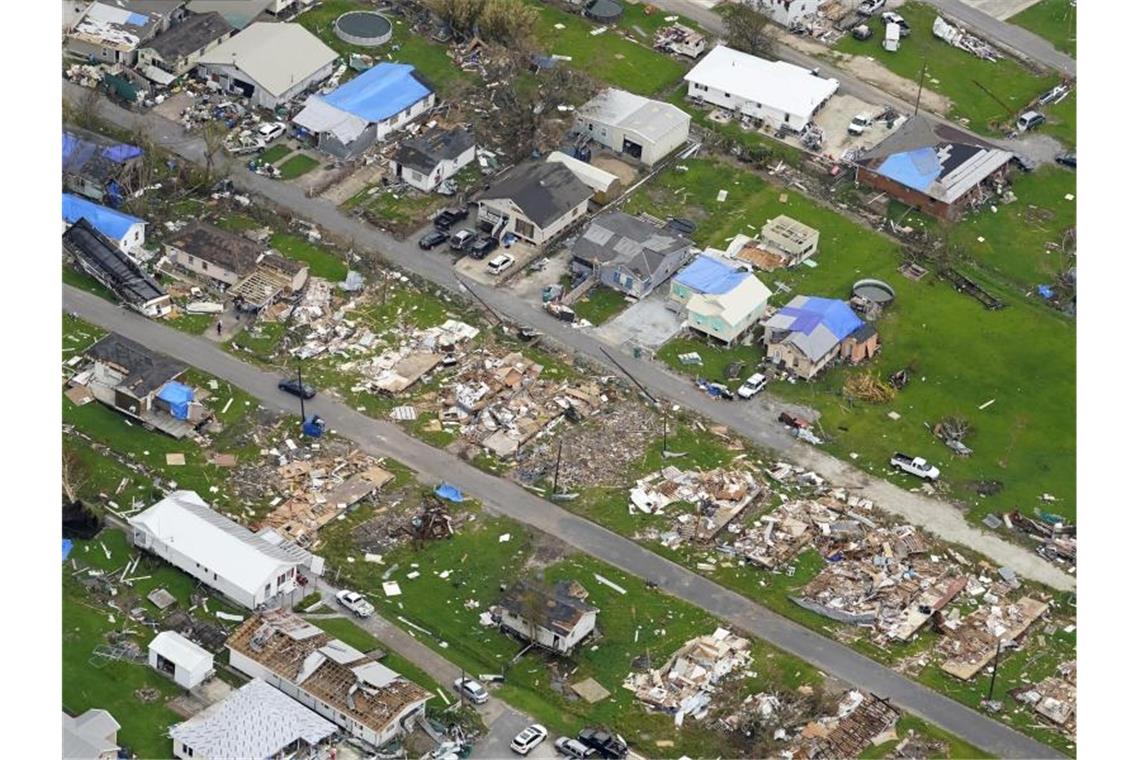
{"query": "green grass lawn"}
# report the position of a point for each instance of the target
(961, 355)
(237, 223)
(274, 154)
(600, 304)
(77, 279)
(955, 73)
(1061, 120)
(322, 261)
(402, 214)
(195, 324)
(298, 165)
(608, 56)
(1054, 20)
(908, 724)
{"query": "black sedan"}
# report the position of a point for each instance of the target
(1067, 159)
(482, 247)
(297, 388)
(433, 239)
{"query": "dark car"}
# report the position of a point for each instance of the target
(483, 246)
(604, 743)
(297, 388)
(449, 216)
(433, 239)
(1067, 159)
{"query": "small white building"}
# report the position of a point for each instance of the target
(427, 161)
(646, 130)
(777, 93)
(787, 13)
(245, 567)
(606, 186)
(556, 618)
(269, 63)
(181, 659)
(535, 202)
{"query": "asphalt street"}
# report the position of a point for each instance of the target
(1007, 35)
(381, 438)
(754, 420)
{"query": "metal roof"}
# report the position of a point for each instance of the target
(85, 736)
(275, 56)
(380, 93)
(180, 650)
(777, 84)
(652, 119)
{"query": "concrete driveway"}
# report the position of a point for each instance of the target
(647, 323)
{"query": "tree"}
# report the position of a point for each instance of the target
(507, 22)
(75, 474)
(86, 111)
(213, 137)
(746, 29)
(460, 15)
(533, 602)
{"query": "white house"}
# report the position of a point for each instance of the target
(430, 159)
(720, 300)
(787, 13)
(535, 201)
(778, 93)
(255, 721)
(181, 659)
(269, 63)
(178, 50)
(556, 618)
(183, 530)
(126, 231)
(646, 130)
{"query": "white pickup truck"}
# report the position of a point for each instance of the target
(359, 606)
(916, 466)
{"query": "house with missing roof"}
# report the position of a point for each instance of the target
(779, 94)
(369, 701)
(643, 129)
(98, 167)
(365, 109)
(178, 49)
(534, 201)
(91, 736)
(430, 159)
(810, 332)
(254, 721)
(553, 617)
(719, 299)
(940, 170)
(269, 63)
(250, 568)
(101, 258)
(112, 31)
(126, 231)
(628, 254)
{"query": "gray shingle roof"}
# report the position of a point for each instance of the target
(544, 191)
(227, 250)
(190, 36)
(147, 371)
(424, 153)
(618, 238)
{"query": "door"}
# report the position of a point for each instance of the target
(630, 147)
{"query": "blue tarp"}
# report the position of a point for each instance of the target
(179, 397)
(383, 91)
(1044, 291)
(82, 150)
(66, 548)
(710, 276)
(917, 169)
(313, 427)
(449, 492)
(113, 224)
(835, 315)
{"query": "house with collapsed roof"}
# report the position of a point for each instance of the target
(101, 258)
(269, 63)
(256, 720)
(98, 167)
(627, 253)
(113, 31)
(369, 701)
(534, 201)
(681, 40)
(178, 50)
(365, 109)
(720, 300)
(126, 231)
(209, 251)
(810, 332)
(91, 736)
(553, 617)
(940, 170)
(250, 568)
(632, 125)
(430, 159)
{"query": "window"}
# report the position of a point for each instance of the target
(787, 118)
(205, 265)
(188, 751)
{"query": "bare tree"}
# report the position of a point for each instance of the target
(533, 600)
(75, 474)
(86, 112)
(460, 15)
(746, 29)
(213, 137)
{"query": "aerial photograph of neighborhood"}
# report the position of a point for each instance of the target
(568, 379)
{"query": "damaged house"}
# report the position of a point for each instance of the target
(1055, 698)
(369, 701)
(940, 170)
(535, 201)
(178, 50)
(101, 258)
(721, 300)
(628, 254)
(681, 40)
(213, 253)
(126, 231)
(717, 495)
(556, 617)
(974, 639)
(112, 31)
(97, 167)
(810, 332)
(432, 158)
(861, 719)
(782, 242)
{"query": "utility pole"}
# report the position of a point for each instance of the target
(301, 391)
(921, 82)
(664, 428)
(993, 676)
(557, 467)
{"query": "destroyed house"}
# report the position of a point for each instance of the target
(366, 109)
(433, 157)
(368, 700)
(215, 253)
(940, 170)
(643, 129)
(128, 232)
(628, 254)
(91, 736)
(177, 50)
(684, 685)
(97, 167)
(132, 379)
(680, 39)
(99, 257)
(783, 242)
(112, 31)
(810, 332)
(555, 618)
(852, 733)
(254, 721)
(534, 201)
(251, 569)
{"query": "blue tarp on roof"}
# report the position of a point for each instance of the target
(179, 397)
(710, 276)
(114, 224)
(77, 146)
(835, 315)
(449, 492)
(379, 93)
(67, 545)
(917, 169)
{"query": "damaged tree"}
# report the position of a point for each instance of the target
(507, 22)
(746, 29)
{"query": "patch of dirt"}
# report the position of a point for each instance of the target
(986, 487)
(546, 550)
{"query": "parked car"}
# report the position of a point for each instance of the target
(471, 690)
(916, 466)
(604, 743)
(271, 131)
(862, 32)
(860, 124)
(1029, 120)
(297, 388)
(462, 240)
(797, 423)
(752, 386)
(433, 239)
(890, 17)
(449, 216)
(870, 7)
(572, 748)
(529, 738)
(359, 606)
(482, 247)
(1067, 159)
(500, 263)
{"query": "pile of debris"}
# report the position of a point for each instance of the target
(863, 719)
(1055, 698)
(964, 40)
(685, 685)
(972, 641)
(719, 496)
(680, 40)
(869, 387)
(778, 537)
(1057, 539)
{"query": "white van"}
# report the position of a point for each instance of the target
(500, 263)
(891, 38)
(1029, 120)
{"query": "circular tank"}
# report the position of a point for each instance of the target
(875, 291)
(606, 11)
(363, 28)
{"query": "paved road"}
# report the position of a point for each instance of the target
(1007, 35)
(755, 420)
(381, 438)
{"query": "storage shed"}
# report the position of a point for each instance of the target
(181, 659)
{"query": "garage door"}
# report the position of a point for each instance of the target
(630, 147)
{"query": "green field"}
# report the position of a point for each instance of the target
(956, 73)
(78, 279)
(297, 166)
(323, 262)
(600, 304)
(961, 355)
(1061, 120)
(1054, 20)
(274, 154)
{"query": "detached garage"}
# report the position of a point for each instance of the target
(643, 129)
(180, 659)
